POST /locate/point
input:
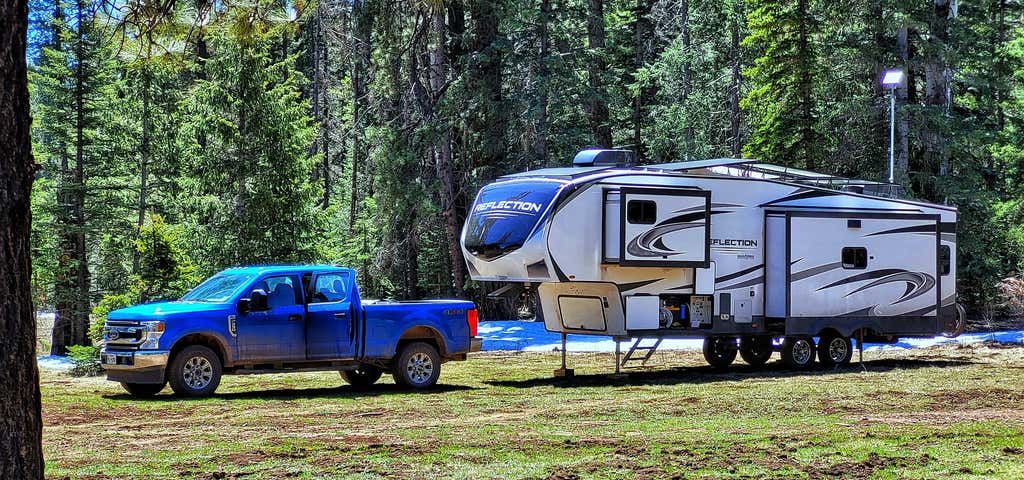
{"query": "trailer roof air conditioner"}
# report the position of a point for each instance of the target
(603, 158)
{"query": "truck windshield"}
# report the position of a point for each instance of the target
(504, 215)
(217, 288)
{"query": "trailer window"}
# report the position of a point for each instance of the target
(641, 211)
(944, 260)
(855, 258)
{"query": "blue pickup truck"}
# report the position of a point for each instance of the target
(281, 319)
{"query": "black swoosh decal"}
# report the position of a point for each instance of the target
(625, 287)
(810, 272)
(918, 284)
(747, 283)
(726, 278)
(863, 276)
(801, 194)
(926, 228)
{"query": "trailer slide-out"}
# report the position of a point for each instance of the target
(751, 257)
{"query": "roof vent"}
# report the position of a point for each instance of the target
(603, 158)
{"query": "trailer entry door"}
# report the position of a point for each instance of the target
(664, 227)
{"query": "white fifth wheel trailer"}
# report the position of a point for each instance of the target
(751, 257)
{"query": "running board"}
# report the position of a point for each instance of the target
(648, 351)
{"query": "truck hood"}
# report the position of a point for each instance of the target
(165, 310)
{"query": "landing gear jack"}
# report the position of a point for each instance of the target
(564, 372)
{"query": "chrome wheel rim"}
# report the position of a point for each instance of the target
(197, 373)
(420, 368)
(801, 351)
(837, 350)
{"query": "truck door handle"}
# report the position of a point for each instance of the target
(294, 318)
(340, 315)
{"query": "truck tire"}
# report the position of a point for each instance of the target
(798, 352)
(418, 366)
(143, 390)
(719, 352)
(834, 350)
(756, 351)
(194, 372)
(364, 376)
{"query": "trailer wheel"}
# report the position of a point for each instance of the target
(364, 376)
(798, 352)
(719, 352)
(834, 350)
(143, 390)
(194, 372)
(756, 351)
(418, 366)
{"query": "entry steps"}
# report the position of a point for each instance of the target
(640, 353)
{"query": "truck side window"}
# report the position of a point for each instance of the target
(642, 212)
(281, 291)
(855, 258)
(330, 287)
(944, 260)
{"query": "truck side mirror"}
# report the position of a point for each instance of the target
(257, 302)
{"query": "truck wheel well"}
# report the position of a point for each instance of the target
(422, 334)
(200, 339)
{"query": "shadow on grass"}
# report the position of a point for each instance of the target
(345, 391)
(707, 374)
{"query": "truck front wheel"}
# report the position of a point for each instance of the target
(418, 366)
(364, 376)
(142, 390)
(194, 372)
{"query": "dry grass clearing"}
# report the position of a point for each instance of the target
(947, 412)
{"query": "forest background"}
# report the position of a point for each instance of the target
(180, 138)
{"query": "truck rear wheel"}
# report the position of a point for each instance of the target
(194, 372)
(143, 390)
(720, 352)
(798, 352)
(756, 351)
(364, 376)
(834, 350)
(418, 366)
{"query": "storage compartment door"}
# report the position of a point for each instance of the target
(582, 307)
(643, 312)
(775, 266)
(665, 227)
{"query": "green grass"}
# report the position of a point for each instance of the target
(941, 413)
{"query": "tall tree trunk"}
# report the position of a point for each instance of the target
(362, 19)
(598, 95)
(80, 327)
(544, 71)
(144, 160)
(684, 13)
(21, 449)
(901, 160)
(641, 35)
(488, 122)
(443, 152)
(806, 87)
(64, 281)
(735, 54)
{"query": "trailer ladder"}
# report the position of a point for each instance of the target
(640, 353)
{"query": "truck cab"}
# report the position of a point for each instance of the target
(281, 319)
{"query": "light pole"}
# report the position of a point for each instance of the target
(891, 80)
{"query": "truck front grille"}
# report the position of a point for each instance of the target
(123, 334)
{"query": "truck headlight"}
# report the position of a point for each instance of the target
(153, 331)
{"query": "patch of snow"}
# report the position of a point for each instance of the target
(532, 337)
(55, 362)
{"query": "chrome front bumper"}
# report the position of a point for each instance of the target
(133, 360)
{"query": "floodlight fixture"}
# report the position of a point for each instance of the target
(892, 78)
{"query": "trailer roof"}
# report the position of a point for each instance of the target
(697, 164)
(563, 172)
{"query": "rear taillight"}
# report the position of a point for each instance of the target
(472, 319)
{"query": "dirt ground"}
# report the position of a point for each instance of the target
(945, 412)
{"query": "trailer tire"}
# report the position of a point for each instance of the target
(798, 352)
(418, 366)
(719, 352)
(143, 390)
(362, 377)
(834, 350)
(756, 351)
(194, 372)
